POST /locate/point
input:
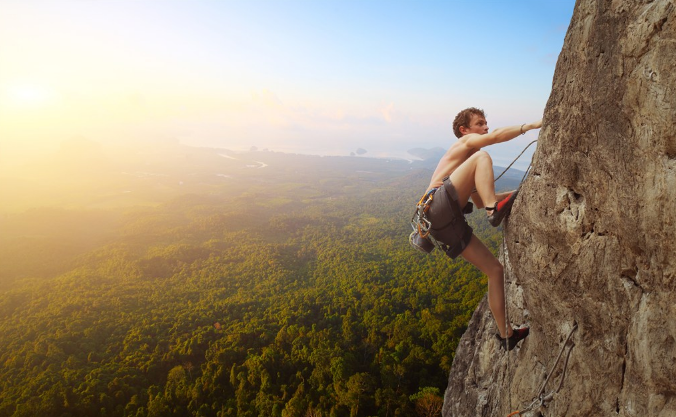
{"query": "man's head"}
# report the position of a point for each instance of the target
(470, 120)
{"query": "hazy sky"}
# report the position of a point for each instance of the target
(305, 76)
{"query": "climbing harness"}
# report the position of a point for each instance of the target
(420, 237)
(419, 220)
(543, 399)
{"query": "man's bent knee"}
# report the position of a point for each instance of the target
(479, 156)
(483, 155)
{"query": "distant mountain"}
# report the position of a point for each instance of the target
(510, 180)
(422, 153)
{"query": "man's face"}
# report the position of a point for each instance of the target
(478, 125)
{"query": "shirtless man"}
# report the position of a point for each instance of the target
(470, 174)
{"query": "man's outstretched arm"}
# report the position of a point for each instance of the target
(502, 134)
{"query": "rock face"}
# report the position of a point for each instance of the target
(592, 237)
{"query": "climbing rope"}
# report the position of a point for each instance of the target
(504, 287)
(548, 397)
(543, 399)
(504, 276)
(516, 159)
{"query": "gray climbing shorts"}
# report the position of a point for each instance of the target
(448, 222)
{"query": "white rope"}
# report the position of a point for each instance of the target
(541, 398)
(504, 276)
(516, 159)
(504, 285)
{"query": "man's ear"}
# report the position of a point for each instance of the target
(463, 130)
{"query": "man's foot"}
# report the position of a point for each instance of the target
(517, 335)
(501, 209)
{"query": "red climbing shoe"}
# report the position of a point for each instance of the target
(501, 209)
(517, 335)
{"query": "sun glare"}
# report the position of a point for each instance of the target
(29, 95)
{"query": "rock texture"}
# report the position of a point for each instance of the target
(592, 237)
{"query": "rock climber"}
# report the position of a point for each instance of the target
(466, 171)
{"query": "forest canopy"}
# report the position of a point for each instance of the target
(280, 286)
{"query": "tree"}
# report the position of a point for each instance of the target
(428, 403)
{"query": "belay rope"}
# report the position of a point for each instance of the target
(504, 276)
(543, 399)
(516, 159)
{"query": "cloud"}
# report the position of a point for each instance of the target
(321, 116)
(267, 98)
(387, 111)
(137, 99)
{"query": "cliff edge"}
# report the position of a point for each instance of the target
(590, 247)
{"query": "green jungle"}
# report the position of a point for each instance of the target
(203, 282)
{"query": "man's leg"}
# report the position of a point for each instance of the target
(478, 255)
(475, 172)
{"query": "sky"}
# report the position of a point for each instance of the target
(318, 77)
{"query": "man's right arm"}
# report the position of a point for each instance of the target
(502, 134)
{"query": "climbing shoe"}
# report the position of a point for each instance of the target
(501, 209)
(517, 335)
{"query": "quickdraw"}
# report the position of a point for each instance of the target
(419, 221)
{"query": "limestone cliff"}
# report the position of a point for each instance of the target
(592, 236)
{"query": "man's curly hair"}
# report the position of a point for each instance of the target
(464, 118)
